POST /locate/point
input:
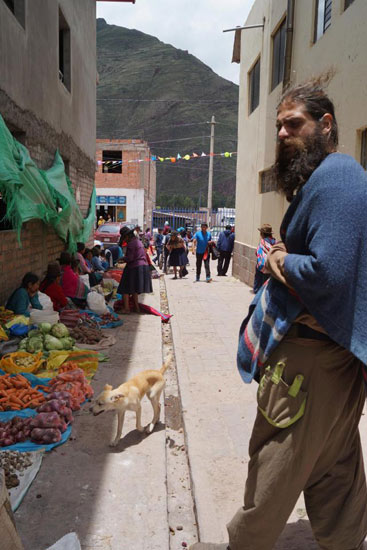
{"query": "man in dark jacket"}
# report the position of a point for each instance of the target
(225, 246)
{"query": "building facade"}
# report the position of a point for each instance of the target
(125, 181)
(48, 102)
(323, 35)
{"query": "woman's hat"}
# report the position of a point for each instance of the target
(266, 229)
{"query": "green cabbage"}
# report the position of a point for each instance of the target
(67, 342)
(23, 344)
(52, 343)
(34, 344)
(33, 333)
(59, 330)
(45, 328)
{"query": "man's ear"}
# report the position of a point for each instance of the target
(327, 123)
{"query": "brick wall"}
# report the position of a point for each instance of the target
(39, 242)
(244, 262)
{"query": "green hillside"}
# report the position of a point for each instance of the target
(134, 65)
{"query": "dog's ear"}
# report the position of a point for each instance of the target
(108, 387)
(118, 396)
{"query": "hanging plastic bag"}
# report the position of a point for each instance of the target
(45, 302)
(96, 303)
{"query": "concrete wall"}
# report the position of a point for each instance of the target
(256, 131)
(134, 175)
(44, 115)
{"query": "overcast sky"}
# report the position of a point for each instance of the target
(193, 25)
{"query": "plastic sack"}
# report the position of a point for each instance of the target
(44, 316)
(85, 279)
(8, 362)
(45, 302)
(68, 542)
(96, 303)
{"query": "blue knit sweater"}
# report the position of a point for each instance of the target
(325, 233)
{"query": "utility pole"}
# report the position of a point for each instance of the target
(210, 180)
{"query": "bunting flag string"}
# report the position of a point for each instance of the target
(173, 159)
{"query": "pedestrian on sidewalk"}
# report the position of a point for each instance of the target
(158, 244)
(136, 278)
(177, 254)
(305, 339)
(225, 246)
(266, 242)
(202, 240)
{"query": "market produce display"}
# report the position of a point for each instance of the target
(75, 383)
(16, 393)
(14, 463)
(21, 361)
(87, 335)
(14, 431)
(47, 337)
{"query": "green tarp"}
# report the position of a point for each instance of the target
(47, 195)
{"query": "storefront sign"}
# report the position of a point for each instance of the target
(110, 199)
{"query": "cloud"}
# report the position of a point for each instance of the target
(188, 25)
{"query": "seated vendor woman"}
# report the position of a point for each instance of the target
(25, 297)
(51, 286)
(71, 283)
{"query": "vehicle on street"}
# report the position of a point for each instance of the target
(109, 232)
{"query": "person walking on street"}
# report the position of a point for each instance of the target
(158, 244)
(225, 246)
(165, 241)
(202, 240)
(177, 254)
(305, 340)
(266, 242)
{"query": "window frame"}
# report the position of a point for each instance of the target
(322, 21)
(64, 50)
(251, 106)
(281, 59)
(114, 155)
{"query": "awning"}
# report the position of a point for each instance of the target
(236, 56)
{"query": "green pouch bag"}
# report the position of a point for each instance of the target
(281, 405)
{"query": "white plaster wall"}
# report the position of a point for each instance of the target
(134, 202)
(343, 47)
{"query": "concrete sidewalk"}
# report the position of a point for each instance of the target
(113, 498)
(218, 408)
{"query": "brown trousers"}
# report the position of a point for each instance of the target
(319, 454)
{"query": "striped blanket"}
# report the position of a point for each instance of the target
(270, 316)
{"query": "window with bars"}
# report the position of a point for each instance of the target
(364, 148)
(347, 3)
(322, 17)
(267, 181)
(278, 55)
(254, 86)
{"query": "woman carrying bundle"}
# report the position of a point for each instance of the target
(177, 254)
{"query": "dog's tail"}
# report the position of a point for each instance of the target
(167, 363)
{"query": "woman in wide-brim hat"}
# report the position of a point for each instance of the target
(136, 278)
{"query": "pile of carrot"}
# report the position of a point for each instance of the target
(16, 393)
(68, 366)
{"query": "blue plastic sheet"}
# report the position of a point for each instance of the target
(25, 413)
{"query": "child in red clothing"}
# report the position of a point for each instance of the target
(51, 286)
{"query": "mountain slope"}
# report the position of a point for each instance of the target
(135, 65)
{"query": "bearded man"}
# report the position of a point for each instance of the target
(305, 341)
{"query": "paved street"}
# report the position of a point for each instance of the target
(116, 499)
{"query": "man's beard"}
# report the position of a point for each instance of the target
(296, 159)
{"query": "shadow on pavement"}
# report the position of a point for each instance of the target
(134, 437)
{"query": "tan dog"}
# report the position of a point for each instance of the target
(128, 396)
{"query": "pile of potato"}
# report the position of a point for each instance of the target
(86, 335)
(14, 463)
